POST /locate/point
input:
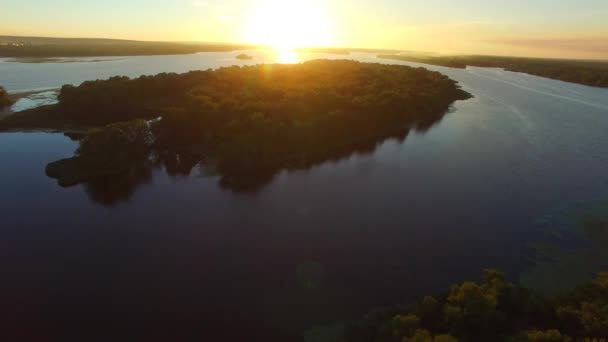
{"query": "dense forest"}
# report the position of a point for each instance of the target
(72, 47)
(256, 120)
(493, 310)
(591, 73)
(5, 99)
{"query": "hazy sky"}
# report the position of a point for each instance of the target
(554, 28)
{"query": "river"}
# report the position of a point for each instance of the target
(507, 180)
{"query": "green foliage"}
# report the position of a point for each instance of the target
(422, 335)
(471, 301)
(428, 306)
(495, 310)
(444, 338)
(5, 100)
(586, 309)
(545, 336)
(116, 154)
(132, 138)
(405, 325)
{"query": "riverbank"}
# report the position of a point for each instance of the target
(32, 99)
(58, 60)
(590, 73)
(40, 119)
(43, 47)
(5, 112)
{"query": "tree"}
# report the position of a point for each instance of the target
(405, 325)
(495, 310)
(422, 335)
(545, 336)
(5, 100)
(132, 139)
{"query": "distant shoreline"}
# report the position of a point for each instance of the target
(41, 47)
(59, 60)
(589, 73)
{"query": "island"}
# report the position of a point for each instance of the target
(244, 123)
(490, 310)
(5, 99)
(244, 57)
(590, 73)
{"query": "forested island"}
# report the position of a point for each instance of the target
(244, 57)
(248, 122)
(40, 47)
(591, 73)
(493, 310)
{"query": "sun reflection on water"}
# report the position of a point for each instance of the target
(286, 56)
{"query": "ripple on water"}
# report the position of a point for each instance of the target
(573, 249)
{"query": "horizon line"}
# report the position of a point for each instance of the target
(258, 46)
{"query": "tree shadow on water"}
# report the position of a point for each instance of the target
(118, 188)
(254, 177)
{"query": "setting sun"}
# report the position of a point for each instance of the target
(288, 24)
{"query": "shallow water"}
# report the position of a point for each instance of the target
(182, 255)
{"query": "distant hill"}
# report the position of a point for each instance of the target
(17, 46)
(66, 41)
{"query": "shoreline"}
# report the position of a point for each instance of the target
(569, 71)
(46, 130)
(18, 95)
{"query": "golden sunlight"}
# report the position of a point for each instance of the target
(289, 24)
(286, 56)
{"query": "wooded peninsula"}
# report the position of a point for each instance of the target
(249, 122)
(591, 73)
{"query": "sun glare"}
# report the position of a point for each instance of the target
(286, 56)
(289, 24)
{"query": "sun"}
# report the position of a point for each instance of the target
(289, 24)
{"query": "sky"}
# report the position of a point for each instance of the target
(545, 28)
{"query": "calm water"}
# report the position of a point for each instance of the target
(171, 256)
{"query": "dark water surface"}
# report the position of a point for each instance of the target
(168, 257)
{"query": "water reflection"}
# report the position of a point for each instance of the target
(110, 191)
(252, 180)
(286, 56)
